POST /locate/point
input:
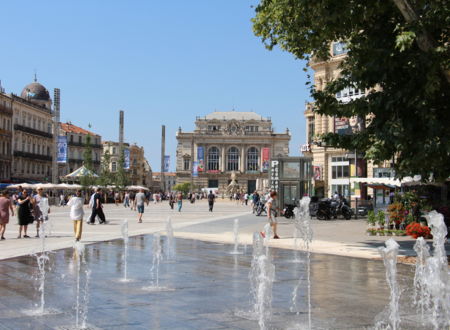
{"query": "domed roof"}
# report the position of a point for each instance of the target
(35, 91)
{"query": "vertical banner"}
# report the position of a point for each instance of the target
(126, 159)
(265, 159)
(317, 173)
(195, 170)
(62, 149)
(166, 163)
(200, 159)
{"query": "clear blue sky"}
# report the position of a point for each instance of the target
(163, 62)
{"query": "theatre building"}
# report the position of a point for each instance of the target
(226, 142)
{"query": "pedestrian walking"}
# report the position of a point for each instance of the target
(76, 214)
(126, 200)
(41, 208)
(5, 207)
(246, 199)
(132, 200)
(62, 200)
(180, 201)
(117, 198)
(211, 198)
(97, 208)
(140, 202)
(271, 214)
(171, 200)
(24, 213)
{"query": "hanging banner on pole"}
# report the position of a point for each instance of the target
(62, 149)
(166, 163)
(126, 159)
(265, 159)
(200, 159)
(195, 170)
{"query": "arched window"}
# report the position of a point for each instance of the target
(252, 159)
(233, 159)
(213, 159)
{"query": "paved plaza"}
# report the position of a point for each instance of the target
(338, 237)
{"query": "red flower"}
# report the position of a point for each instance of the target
(415, 230)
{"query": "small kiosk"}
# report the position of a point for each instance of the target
(291, 178)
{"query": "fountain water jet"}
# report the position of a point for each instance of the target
(236, 237)
(81, 308)
(304, 232)
(171, 248)
(436, 286)
(157, 256)
(42, 259)
(261, 276)
(421, 297)
(389, 255)
(125, 249)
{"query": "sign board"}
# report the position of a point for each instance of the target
(265, 159)
(200, 159)
(317, 175)
(126, 159)
(166, 163)
(274, 175)
(62, 149)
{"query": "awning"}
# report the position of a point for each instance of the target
(81, 172)
(136, 188)
(381, 186)
(378, 181)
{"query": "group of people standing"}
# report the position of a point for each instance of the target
(29, 207)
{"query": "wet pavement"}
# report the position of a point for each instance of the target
(207, 288)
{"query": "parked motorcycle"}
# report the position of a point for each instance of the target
(324, 209)
(328, 209)
(288, 210)
(343, 209)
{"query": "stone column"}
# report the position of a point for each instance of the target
(260, 158)
(222, 160)
(242, 159)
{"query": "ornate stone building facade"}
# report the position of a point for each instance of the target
(6, 115)
(140, 170)
(76, 143)
(226, 142)
(334, 168)
(32, 134)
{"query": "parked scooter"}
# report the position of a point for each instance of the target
(288, 210)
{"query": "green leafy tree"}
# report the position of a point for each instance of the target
(122, 177)
(398, 51)
(88, 180)
(183, 187)
(106, 177)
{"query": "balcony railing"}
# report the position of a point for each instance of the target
(81, 144)
(80, 161)
(32, 131)
(32, 156)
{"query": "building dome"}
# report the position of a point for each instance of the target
(35, 91)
